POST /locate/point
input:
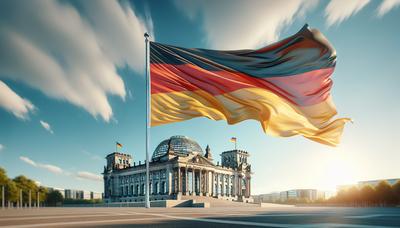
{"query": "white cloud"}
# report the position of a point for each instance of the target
(70, 55)
(339, 10)
(51, 168)
(386, 6)
(89, 176)
(48, 167)
(46, 126)
(243, 24)
(13, 103)
(1, 147)
(28, 161)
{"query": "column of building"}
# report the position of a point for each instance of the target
(248, 187)
(207, 182)
(186, 181)
(168, 180)
(200, 182)
(212, 183)
(218, 178)
(193, 182)
(180, 180)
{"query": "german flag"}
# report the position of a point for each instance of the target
(119, 145)
(285, 86)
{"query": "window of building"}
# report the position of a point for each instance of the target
(142, 190)
(163, 187)
(155, 190)
(150, 188)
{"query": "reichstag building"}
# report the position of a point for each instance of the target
(178, 169)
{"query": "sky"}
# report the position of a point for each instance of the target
(72, 83)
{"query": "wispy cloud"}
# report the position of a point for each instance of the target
(12, 102)
(240, 24)
(89, 176)
(70, 54)
(46, 126)
(386, 6)
(339, 10)
(48, 167)
(1, 147)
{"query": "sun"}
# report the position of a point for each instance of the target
(340, 170)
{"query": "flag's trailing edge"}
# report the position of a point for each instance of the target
(285, 86)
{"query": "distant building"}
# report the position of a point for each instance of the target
(270, 198)
(71, 194)
(302, 194)
(178, 167)
(96, 195)
(310, 195)
(376, 182)
(81, 194)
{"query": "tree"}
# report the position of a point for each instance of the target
(3, 180)
(43, 192)
(26, 185)
(54, 198)
(396, 192)
(385, 193)
(368, 195)
(353, 196)
(11, 191)
(3, 176)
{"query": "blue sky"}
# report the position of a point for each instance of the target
(72, 83)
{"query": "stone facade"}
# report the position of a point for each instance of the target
(178, 167)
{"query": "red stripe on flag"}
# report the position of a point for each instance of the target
(302, 89)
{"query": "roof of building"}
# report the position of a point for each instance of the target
(179, 145)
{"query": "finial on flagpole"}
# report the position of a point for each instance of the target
(146, 35)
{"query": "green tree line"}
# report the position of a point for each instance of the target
(21, 184)
(47, 197)
(382, 194)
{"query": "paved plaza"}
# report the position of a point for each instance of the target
(202, 217)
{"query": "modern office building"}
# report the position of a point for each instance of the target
(310, 195)
(178, 167)
(80, 194)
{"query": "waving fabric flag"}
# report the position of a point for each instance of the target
(285, 86)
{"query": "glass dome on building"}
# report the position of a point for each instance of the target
(179, 144)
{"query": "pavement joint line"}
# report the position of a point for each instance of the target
(56, 217)
(235, 222)
(54, 224)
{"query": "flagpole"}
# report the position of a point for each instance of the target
(148, 108)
